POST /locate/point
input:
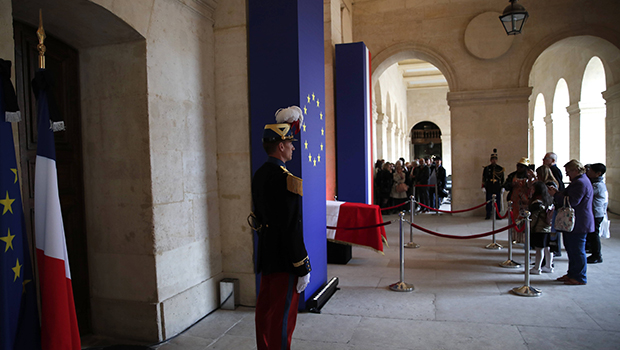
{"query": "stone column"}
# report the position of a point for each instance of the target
(380, 138)
(481, 121)
(531, 134)
(612, 126)
(375, 116)
(389, 150)
(574, 117)
(397, 142)
(549, 128)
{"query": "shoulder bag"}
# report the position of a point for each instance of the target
(565, 220)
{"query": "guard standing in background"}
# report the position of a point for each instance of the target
(492, 182)
(282, 258)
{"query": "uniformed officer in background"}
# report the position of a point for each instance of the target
(282, 258)
(492, 182)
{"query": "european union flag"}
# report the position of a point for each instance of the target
(19, 317)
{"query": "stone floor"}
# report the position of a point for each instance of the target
(461, 300)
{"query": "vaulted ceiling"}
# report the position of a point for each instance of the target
(418, 74)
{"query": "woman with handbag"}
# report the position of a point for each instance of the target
(578, 197)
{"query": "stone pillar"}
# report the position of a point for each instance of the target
(389, 150)
(375, 116)
(612, 126)
(531, 134)
(397, 143)
(380, 138)
(481, 121)
(574, 117)
(549, 128)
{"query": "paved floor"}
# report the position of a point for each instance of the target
(462, 300)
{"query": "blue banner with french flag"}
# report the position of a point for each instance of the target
(59, 328)
(354, 123)
(19, 315)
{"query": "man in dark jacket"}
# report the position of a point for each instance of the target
(441, 179)
(492, 183)
(422, 178)
(282, 258)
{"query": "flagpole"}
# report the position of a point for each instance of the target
(59, 327)
(41, 36)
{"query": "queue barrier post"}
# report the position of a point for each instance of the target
(494, 245)
(411, 244)
(526, 290)
(510, 263)
(401, 286)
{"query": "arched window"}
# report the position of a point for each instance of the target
(561, 124)
(593, 111)
(540, 129)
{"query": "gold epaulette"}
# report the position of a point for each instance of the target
(293, 183)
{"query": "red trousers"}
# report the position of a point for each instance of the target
(276, 311)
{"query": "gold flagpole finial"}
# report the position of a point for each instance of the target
(41, 36)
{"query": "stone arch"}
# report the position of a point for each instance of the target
(402, 51)
(602, 38)
(592, 130)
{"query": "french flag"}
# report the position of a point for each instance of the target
(59, 328)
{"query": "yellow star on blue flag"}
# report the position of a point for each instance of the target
(19, 315)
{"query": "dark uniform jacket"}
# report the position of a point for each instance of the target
(276, 195)
(493, 177)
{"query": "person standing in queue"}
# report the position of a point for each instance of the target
(580, 195)
(492, 182)
(282, 258)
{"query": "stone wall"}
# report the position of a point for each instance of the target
(430, 105)
(153, 220)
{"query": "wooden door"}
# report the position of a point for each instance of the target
(63, 61)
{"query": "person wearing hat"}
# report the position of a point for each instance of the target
(492, 182)
(519, 185)
(281, 258)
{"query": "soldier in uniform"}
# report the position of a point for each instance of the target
(492, 182)
(282, 258)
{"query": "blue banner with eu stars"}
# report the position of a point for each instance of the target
(287, 68)
(19, 317)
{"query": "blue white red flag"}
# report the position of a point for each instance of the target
(19, 316)
(59, 328)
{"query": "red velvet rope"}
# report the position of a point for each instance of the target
(396, 206)
(359, 228)
(512, 218)
(498, 214)
(463, 237)
(453, 211)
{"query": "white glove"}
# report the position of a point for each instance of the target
(302, 283)
(503, 190)
(484, 190)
